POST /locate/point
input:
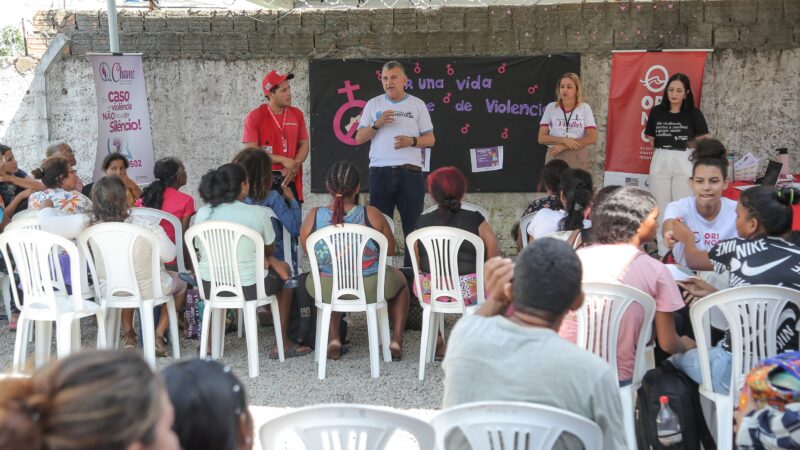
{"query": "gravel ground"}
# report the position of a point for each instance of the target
(283, 386)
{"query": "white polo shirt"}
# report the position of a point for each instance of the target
(411, 118)
(573, 123)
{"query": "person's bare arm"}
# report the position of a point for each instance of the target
(695, 258)
(427, 140)
(499, 273)
(589, 138)
(366, 133)
(545, 138)
(11, 208)
(26, 183)
(489, 240)
(668, 338)
(306, 227)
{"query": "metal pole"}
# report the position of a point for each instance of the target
(113, 31)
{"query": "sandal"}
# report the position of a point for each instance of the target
(129, 340)
(161, 346)
(291, 352)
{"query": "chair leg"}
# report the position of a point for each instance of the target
(111, 327)
(626, 397)
(372, 333)
(148, 332)
(723, 411)
(250, 317)
(5, 286)
(441, 325)
(240, 325)
(424, 340)
(102, 333)
(322, 333)
(386, 339)
(174, 335)
(205, 331)
(44, 340)
(276, 320)
(217, 333)
(318, 336)
(76, 335)
(223, 324)
(432, 335)
(64, 333)
(20, 344)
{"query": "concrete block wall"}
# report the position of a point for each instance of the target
(204, 68)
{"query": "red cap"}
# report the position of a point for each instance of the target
(663, 399)
(273, 79)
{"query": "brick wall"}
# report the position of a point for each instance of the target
(506, 30)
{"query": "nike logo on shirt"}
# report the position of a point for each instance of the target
(750, 271)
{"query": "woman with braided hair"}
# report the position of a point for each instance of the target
(568, 224)
(343, 182)
(92, 400)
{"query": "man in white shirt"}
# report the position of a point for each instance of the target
(399, 126)
(492, 357)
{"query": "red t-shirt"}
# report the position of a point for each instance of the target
(259, 126)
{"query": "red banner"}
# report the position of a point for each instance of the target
(638, 80)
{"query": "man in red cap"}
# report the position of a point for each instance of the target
(280, 129)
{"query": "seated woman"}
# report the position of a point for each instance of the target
(62, 149)
(343, 182)
(111, 205)
(197, 384)
(575, 191)
(621, 222)
(447, 187)
(88, 401)
(224, 190)
(13, 181)
(117, 164)
(551, 177)
(258, 165)
(60, 182)
(164, 194)
(709, 215)
(759, 256)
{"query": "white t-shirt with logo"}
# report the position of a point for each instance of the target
(411, 118)
(546, 222)
(706, 233)
(580, 119)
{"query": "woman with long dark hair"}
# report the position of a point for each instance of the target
(569, 222)
(343, 182)
(672, 128)
(117, 164)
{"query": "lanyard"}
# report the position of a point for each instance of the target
(567, 119)
(275, 120)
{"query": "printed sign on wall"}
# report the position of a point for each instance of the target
(123, 117)
(476, 104)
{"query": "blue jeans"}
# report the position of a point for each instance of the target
(391, 187)
(689, 363)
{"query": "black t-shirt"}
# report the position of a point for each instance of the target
(765, 260)
(673, 131)
(461, 219)
(10, 190)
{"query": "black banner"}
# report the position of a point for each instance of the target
(474, 103)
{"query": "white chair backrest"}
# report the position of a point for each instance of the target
(346, 244)
(464, 205)
(114, 242)
(36, 259)
(24, 214)
(390, 221)
(523, 228)
(600, 316)
(514, 426)
(176, 225)
(344, 427)
(752, 313)
(287, 240)
(30, 223)
(217, 241)
(441, 245)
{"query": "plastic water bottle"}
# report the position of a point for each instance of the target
(667, 425)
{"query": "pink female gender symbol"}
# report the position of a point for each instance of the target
(532, 90)
(504, 134)
(465, 129)
(417, 68)
(502, 68)
(446, 98)
(450, 70)
(378, 74)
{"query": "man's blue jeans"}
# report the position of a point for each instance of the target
(401, 188)
(720, 362)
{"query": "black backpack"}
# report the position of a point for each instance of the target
(302, 327)
(684, 400)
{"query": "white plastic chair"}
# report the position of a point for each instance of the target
(344, 427)
(514, 426)
(176, 225)
(219, 241)
(523, 228)
(346, 244)
(441, 245)
(24, 214)
(752, 313)
(35, 255)
(464, 205)
(118, 289)
(598, 333)
(390, 221)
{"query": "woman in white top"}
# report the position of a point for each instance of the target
(711, 217)
(568, 125)
(575, 191)
(111, 205)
